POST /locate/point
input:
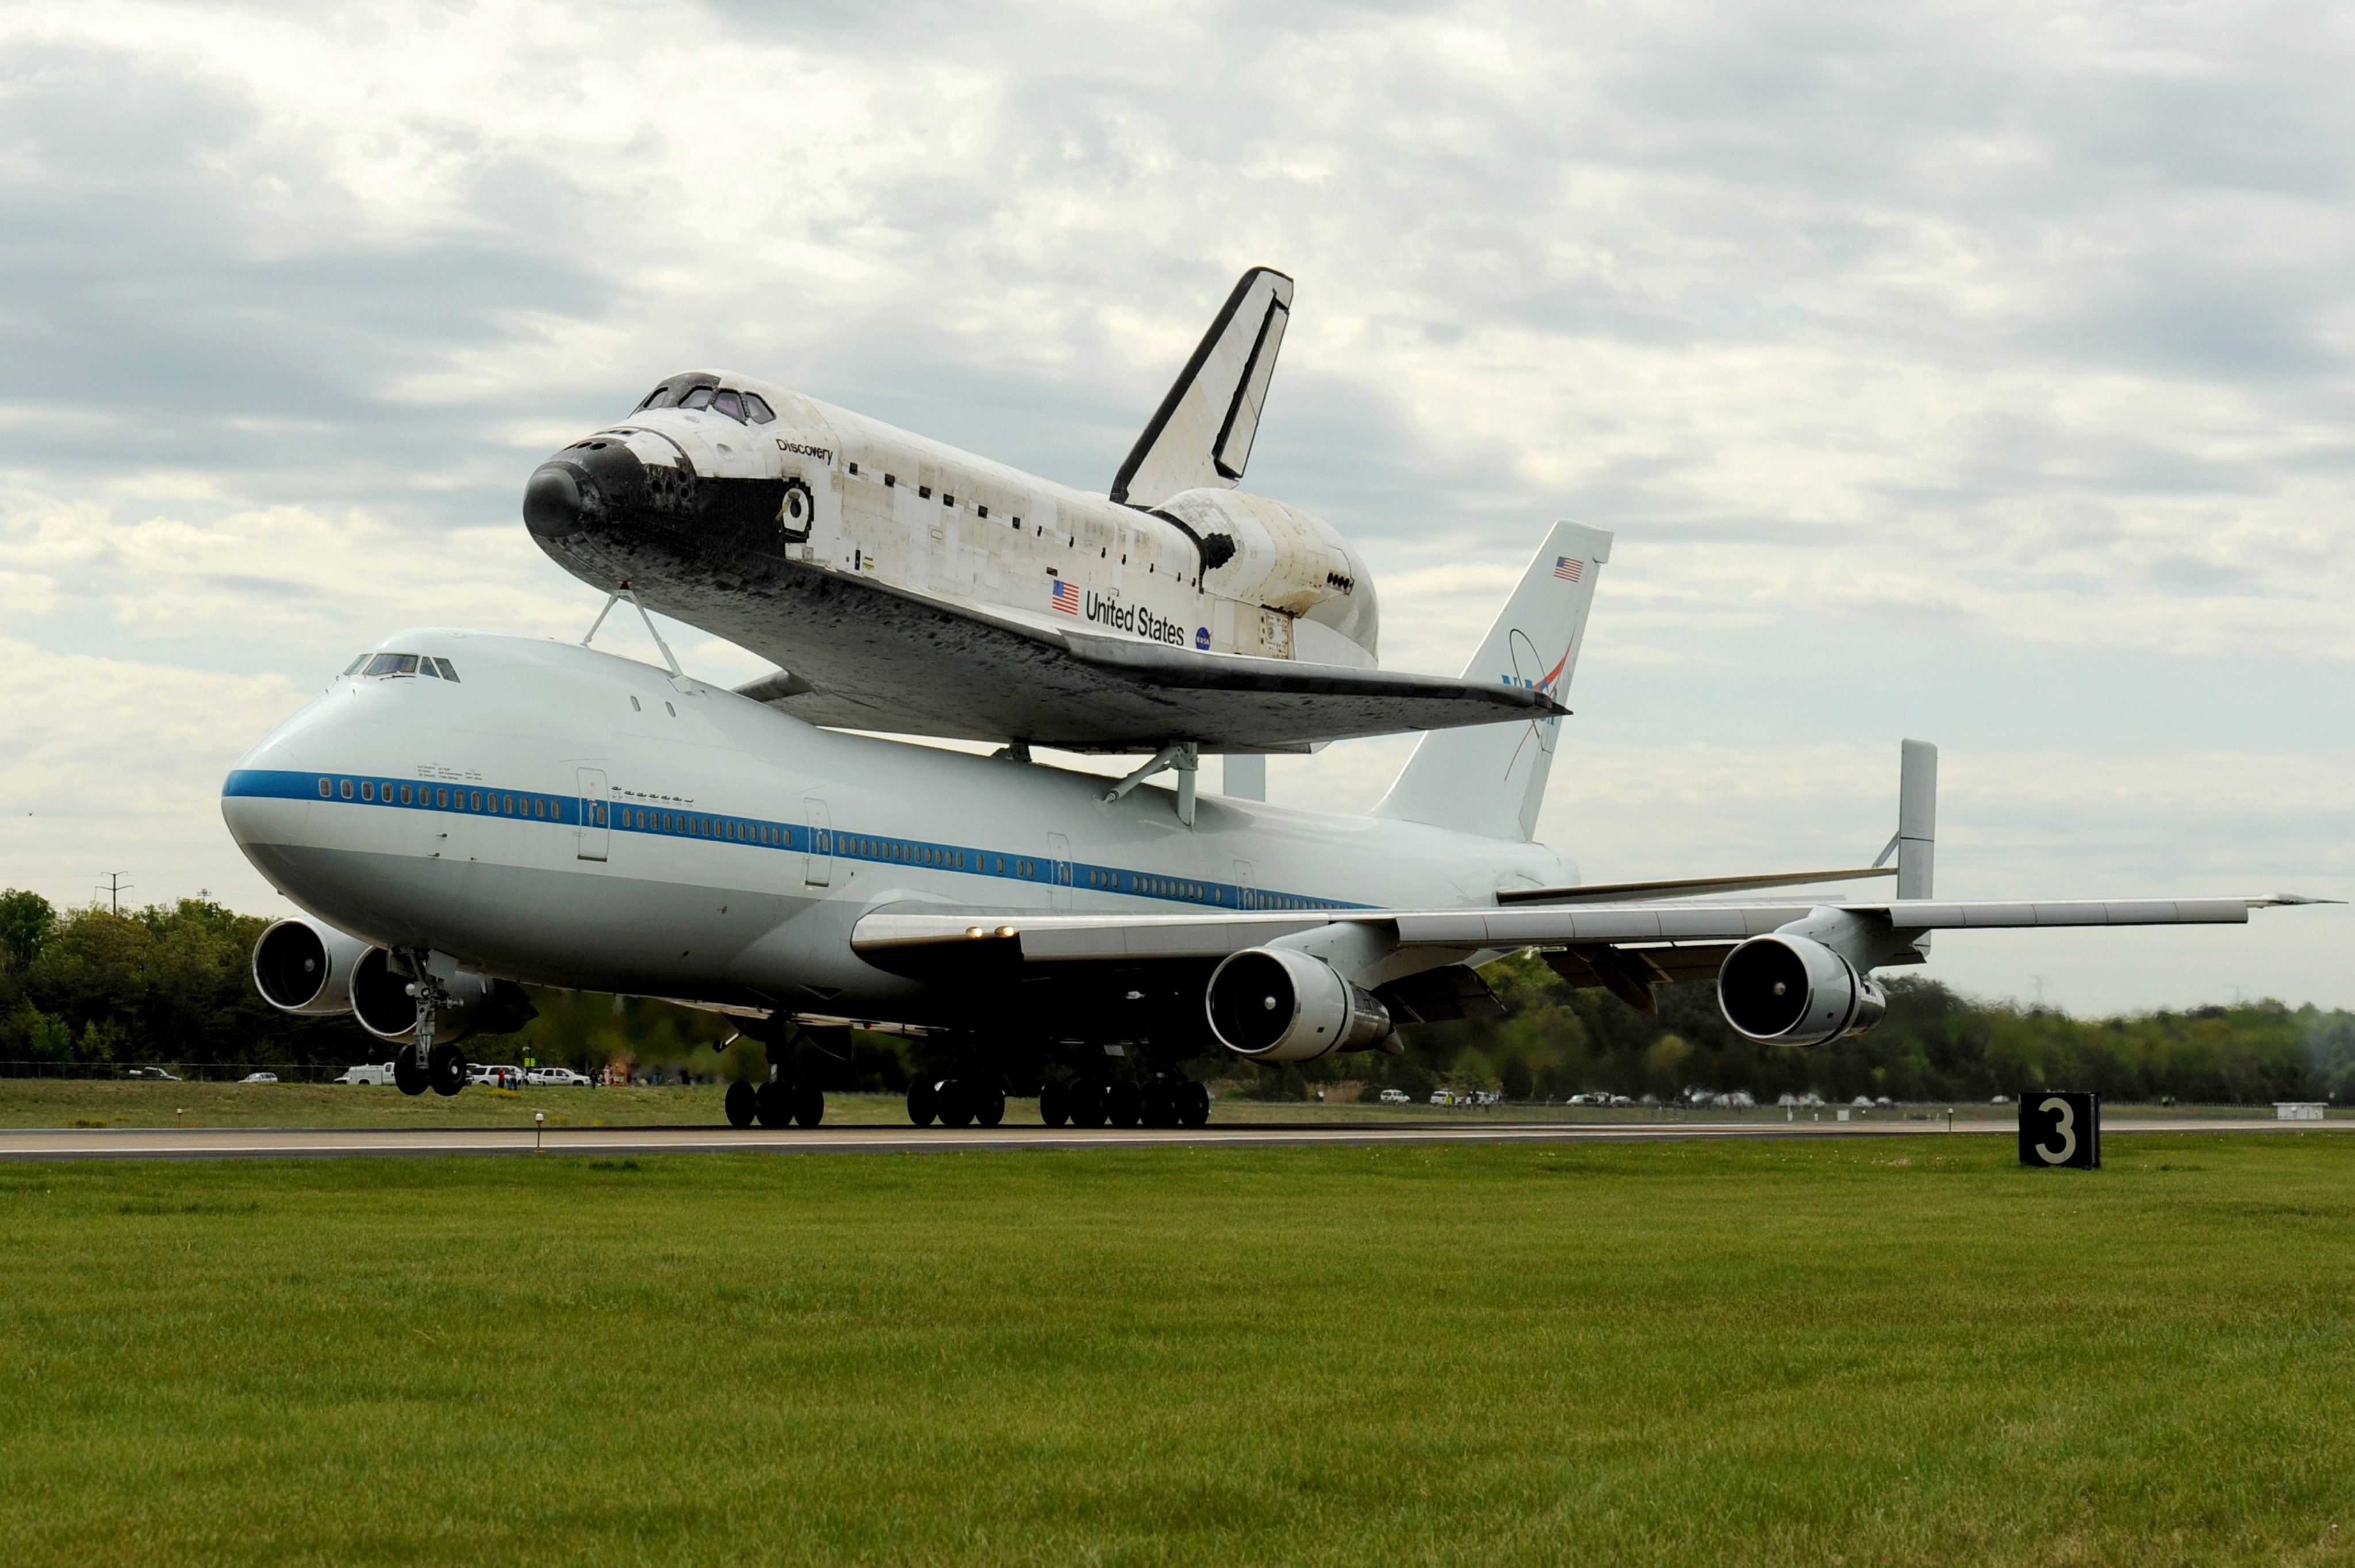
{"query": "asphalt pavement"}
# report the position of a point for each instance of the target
(281, 1142)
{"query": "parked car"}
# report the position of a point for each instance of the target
(1395, 1097)
(556, 1076)
(493, 1075)
(156, 1072)
(367, 1073)
(259, 1078)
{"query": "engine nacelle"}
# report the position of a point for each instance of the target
(1272, 1004)
(1788, 990)
(302, 966)
(383, 1004)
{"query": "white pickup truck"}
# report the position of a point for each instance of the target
(367, 1073)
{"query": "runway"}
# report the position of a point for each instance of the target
(276, 1143)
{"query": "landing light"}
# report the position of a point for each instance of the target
(1007, 930)
(975, 931)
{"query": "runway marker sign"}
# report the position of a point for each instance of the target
(2060, 1127)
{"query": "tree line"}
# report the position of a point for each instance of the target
(173, 983)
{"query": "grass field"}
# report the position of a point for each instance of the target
(1900, 1353)
(100, 1103)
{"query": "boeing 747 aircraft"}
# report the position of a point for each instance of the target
(463, 812)
(906, 586)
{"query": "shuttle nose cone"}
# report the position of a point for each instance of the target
(552, 502)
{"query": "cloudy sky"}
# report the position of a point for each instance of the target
(1974, 372)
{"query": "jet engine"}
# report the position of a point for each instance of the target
(1272, 1004)
(301, 967)
(1788, 990)
(383, 1004)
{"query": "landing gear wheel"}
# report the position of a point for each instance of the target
(1123, 1105)
(1086, 1101)
(742, 1100)
(809, 1105)
(988, 1105)
(407, 1075)
(773, 1102)
(956, 1104)
(445, 1070)
(1053, 1107)
(1157, 1106)
(924, 1102)
(1193, 1105)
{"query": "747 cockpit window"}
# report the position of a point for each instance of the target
(410, 664)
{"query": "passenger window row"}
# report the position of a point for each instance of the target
(440, 797)
(777, 835)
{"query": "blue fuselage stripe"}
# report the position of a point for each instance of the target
(474, 798)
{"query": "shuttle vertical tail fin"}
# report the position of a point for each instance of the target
(1491, 779)
(1202, 434)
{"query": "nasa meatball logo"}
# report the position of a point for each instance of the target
(1202, 639)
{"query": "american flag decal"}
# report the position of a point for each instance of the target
(1567, 568)
(1067, 597)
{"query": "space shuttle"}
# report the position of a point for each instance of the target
(903, 586)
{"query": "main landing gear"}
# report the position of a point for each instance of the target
(1086, 1103)
(782, 1102)
(959, 1102)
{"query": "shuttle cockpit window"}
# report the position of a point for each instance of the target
(699, 399)
(724, 402)
(662, 397)
(757, 411)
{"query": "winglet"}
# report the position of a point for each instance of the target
(1202, 436)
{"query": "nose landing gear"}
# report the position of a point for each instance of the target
(421, 1064)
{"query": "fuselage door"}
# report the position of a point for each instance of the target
(1243, 894)
(817, 866)
(592, 833)
(1058, 857)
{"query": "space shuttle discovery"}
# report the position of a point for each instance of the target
(903, 585)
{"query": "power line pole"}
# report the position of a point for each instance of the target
(114, 890)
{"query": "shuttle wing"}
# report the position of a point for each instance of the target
(876, 657)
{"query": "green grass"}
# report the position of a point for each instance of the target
(1904, 1350)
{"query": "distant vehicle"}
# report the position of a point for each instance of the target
(1738, 1100)
(494, 1075)
(367, 1073)
(1395, 1097)
(1621, 1100)
(2000, 1100)
(151, 1073)
(544, 1075)
(259, 1078)
(1592, 1097)
(1863, 1101)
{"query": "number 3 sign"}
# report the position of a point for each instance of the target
(2061, 1128)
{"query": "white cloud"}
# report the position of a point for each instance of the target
(1980, 369)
